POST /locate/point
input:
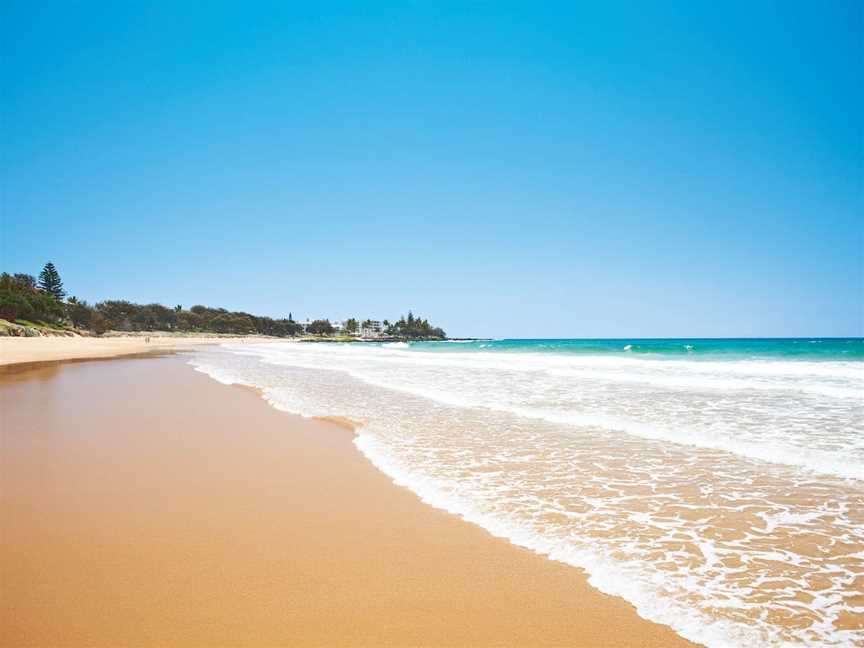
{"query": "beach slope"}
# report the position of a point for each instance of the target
(18, 350)
(144, 504)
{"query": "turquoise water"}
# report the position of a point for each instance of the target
(695, 348)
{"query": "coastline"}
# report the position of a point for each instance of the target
(181, 511)
(26, 350)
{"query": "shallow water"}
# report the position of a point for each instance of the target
(717, 485)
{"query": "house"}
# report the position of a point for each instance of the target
(371, 329)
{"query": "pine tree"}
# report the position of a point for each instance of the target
(49, 281)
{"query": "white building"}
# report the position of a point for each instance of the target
(371, 329)
(365, 328)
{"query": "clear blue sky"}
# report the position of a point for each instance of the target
(604, 169)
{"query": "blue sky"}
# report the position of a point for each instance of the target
(506, 169)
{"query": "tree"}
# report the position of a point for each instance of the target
(351, 326)
(79, 313)
(236, 323)
(12, 302)
(49, 281)
(98, 323)
(25, 280)
(414, 328)
(320, 327)
(19, 301)
(117, 314)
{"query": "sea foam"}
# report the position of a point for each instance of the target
(724, 500)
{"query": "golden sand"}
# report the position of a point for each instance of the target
(144, 504)
(14, 350)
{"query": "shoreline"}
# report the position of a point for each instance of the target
(28, 350)
(184, 511)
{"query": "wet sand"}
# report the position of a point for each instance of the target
(144, 504)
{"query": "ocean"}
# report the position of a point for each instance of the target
(717, 485)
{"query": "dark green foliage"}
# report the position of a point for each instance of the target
(49, 281)
(19, 299)
(153, 317)
(13, 304)
(79, 313)
(98, 323)
(320, 327)
(238, 323)
(22, 297)
(125, 316)
(414, 328)
(24, 280)
(118, 314)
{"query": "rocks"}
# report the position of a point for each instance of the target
(10, 329)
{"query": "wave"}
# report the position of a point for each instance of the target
(838, 379)
(609, 576)
(531, 455)
(660, 414)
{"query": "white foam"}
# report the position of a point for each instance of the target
(530, 451)
(689, 402)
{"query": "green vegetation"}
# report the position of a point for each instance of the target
(321, 327)
(413, 328)
(40, 305)
(125, 316)
(20, 298)
(49, 282)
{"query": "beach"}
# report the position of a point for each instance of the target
(145, 504)
(713, 484)
(15, 350)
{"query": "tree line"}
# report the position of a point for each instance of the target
(24, 297)
(413, 328)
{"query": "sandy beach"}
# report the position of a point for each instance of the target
(15, 350)
(144, 504)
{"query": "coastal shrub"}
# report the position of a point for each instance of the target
(19, 299)
(23, 297)
(98, 322)
(321, 327)
(414, 328)
(239, 324)
(117, 313)
(24, 280)
(79, 313)
(12, 306)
